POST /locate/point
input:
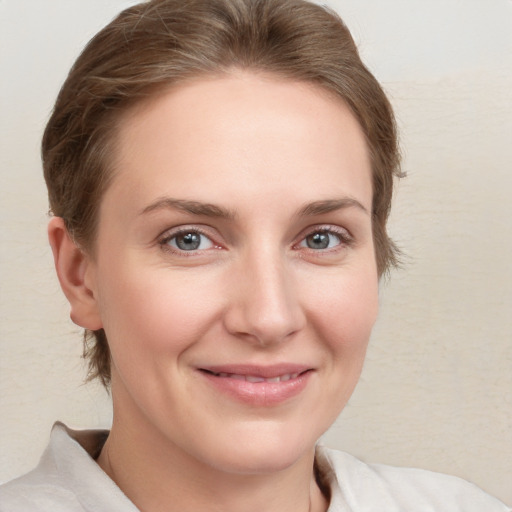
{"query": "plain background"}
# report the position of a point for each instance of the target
(436, 391)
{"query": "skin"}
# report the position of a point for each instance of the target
(280, 161)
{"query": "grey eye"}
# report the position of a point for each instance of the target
(190, 241)
(321, 240)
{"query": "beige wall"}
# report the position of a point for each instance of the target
(436, 391)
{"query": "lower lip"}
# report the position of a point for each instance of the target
(259, 393)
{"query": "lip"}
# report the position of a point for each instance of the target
(258, 385)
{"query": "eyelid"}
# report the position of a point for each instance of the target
(164, 238)
(346, 238)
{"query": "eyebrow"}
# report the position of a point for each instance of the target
(192, 207)
(212, 210)
(330, 205)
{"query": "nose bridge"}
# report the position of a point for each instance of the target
(265, 306)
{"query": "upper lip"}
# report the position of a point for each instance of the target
(265, 372)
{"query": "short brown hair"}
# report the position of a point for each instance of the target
(159, 43)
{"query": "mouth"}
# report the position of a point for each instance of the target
(258, 386)
(256, 378)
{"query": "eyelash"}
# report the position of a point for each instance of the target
(344, 237)
(168, 236)
(345, 240)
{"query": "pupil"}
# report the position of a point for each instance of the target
(189, 241)
(318, 241)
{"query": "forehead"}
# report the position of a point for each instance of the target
(239, 132)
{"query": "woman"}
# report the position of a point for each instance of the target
(220, 174)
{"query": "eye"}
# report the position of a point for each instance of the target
(189, 240)
(324, 239)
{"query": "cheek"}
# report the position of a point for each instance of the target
(154, 313)
(342, 318)
(346, 311)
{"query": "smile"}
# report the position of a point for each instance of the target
(256, 379)
(258, 386)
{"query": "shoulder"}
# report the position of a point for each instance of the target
(67, 479)
(40, 490)
(359, 486)
(32, 493)
(46, 488)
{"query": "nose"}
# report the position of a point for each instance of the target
(264, 306)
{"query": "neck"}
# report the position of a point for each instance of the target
(157, 475)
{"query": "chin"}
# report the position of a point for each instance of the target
(263, 451)
(259, 462)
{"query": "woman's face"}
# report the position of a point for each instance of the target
(235, 273)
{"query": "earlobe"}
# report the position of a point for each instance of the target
(73, 267)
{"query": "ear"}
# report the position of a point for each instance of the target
(75, 271)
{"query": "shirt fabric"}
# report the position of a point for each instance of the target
(68, 479)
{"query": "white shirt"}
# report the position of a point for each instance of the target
(68, 479)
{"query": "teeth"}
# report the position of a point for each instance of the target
(253, 378)
(250, 378)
